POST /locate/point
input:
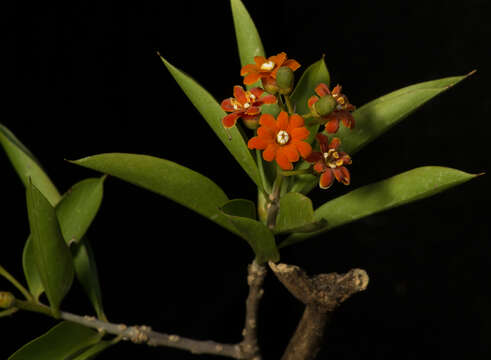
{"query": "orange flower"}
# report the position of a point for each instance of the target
(329, 162)
(281, 139)
(244, 104)
(342, 112)
(266, 68)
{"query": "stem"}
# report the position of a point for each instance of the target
(289, 104)
(274, 205)
(14, 282)
(308, 338)
(247, 349)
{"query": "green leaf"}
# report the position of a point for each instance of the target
(62, 342)
(27, 166)
(314, 75)
(213, 114)
(87, 274)
(240, 207)
(51, 254)
(91, 352)
(259, 237)
(166, 178)
(378, 116)
(296, 214)
(248, 40)
(398, 190)
(30, 270)
(79, 207)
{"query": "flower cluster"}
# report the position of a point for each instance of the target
(286, 138)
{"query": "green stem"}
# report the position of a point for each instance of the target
(8, 312)
(33, 306)
(275, 199)
(14, 282)
(288, 104)
(307, 116)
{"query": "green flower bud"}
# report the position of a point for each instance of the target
(270, 85)
(251, 123)
(325, 105)
(7, 300)
(284, 79)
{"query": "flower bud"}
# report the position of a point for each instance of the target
(284, 79)
(325, 105)
(270, 85)
(7, 300)
(251, 123)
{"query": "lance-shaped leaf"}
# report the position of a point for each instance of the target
(164, 177)
(213, 114)
(312, 76)
(259, 237)
(296, 214)
(78, 208)
(248, 40)
(240, 207)
(62, 342)
(27, 167)
(398, 190)
(379, 115)
(30, 270)
(52, 256)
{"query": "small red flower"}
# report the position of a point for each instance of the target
(266, 68)
(282, 139)
(244, 104)
(329, 162)
(342, 112)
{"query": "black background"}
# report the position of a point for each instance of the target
(83, 78)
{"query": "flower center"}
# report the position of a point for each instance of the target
(282, 137)
(332, 159)
(246, 105)
(235, 104)
(267, 66)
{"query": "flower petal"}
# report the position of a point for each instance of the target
(282, 159)
(348, 120)
(251, 78)
(322, 90)
(253, 110)
(323, 142)
(332, 125)
(291, 152)
(240, 94)
(257, 92)
(270, 152)
(320, 166)
(315, 156)
(335, 142)
(268, 120)
(248, 69)
(230, 120)
(312, 100)
(296, 121)
(337, 90)
(300, 133)
(326, 179)
(267, 134)
(257, 143)
(342, 175)
(227, 105)
(268, 99)
(278, 59)
(282, 121)
(292, 64)
(304, 148)
(259, 60)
